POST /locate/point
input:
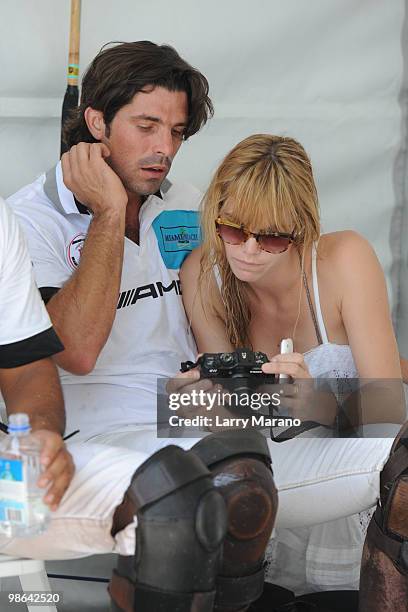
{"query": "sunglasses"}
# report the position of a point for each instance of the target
(271, 242)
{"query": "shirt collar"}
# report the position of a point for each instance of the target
(64, 199)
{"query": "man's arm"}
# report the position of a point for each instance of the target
(34, 388)
(83, 311)
(28, 377)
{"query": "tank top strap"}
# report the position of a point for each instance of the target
(320, 321)
(217, 275)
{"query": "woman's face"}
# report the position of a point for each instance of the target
(248, 261)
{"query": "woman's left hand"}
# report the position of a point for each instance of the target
(301, 399)
(291, 364)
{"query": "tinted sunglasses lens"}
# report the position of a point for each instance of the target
(231, 235)
(274, 244)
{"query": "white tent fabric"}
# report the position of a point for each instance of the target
(328, 72)
(399, 225)
(331, 73)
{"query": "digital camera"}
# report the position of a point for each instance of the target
(241, 369)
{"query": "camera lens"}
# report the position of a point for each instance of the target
(240, 384)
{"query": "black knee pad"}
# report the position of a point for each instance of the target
(179, 536)
(388, 529)
(241, 466)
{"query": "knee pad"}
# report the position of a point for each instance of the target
(180, 531)
(388, 529)
(241, 467)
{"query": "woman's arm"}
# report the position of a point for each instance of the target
(404, 369)
(366, 317)
(364, 306)
(207, 321)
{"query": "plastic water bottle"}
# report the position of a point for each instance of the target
(22, 511)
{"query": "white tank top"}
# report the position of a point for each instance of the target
(327, 359)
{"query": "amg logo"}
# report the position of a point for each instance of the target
(153, 290)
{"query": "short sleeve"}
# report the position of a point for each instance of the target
(46, 246)
(46, 234)
(26, 333)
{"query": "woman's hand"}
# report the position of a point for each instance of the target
(200, 397)
(301, 399)
(291, 364)
(187, 382)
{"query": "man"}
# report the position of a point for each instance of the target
(107, 233)
(28, 378)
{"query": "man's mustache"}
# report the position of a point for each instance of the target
(156, 160)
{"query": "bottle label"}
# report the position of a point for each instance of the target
(13, 491)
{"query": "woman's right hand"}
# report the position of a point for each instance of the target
(187, 382)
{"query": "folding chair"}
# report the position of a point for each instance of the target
(33, 577)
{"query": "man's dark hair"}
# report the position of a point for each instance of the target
(118, 73)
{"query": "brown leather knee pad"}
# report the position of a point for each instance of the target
(182, 522)
(388, 529)
(241, 467)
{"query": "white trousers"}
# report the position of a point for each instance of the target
(319, 480)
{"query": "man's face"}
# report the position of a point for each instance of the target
(144, 137)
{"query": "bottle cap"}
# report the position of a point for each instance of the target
(18, 422)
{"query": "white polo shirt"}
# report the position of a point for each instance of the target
(26, 334)
(150, 335)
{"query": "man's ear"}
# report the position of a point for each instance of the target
(95, 122)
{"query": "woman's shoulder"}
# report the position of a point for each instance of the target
(344, 248)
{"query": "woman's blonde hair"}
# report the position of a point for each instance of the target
(268, 182)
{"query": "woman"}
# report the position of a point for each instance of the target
(265, 273)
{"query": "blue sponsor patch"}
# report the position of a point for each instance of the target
(178, 232)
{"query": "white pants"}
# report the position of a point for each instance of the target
(319, 480)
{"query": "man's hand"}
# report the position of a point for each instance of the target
(57, 464)
(91, 179)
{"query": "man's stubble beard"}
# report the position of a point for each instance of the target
(139, 188)
(134, 186)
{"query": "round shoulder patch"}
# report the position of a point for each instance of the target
(74, 249)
